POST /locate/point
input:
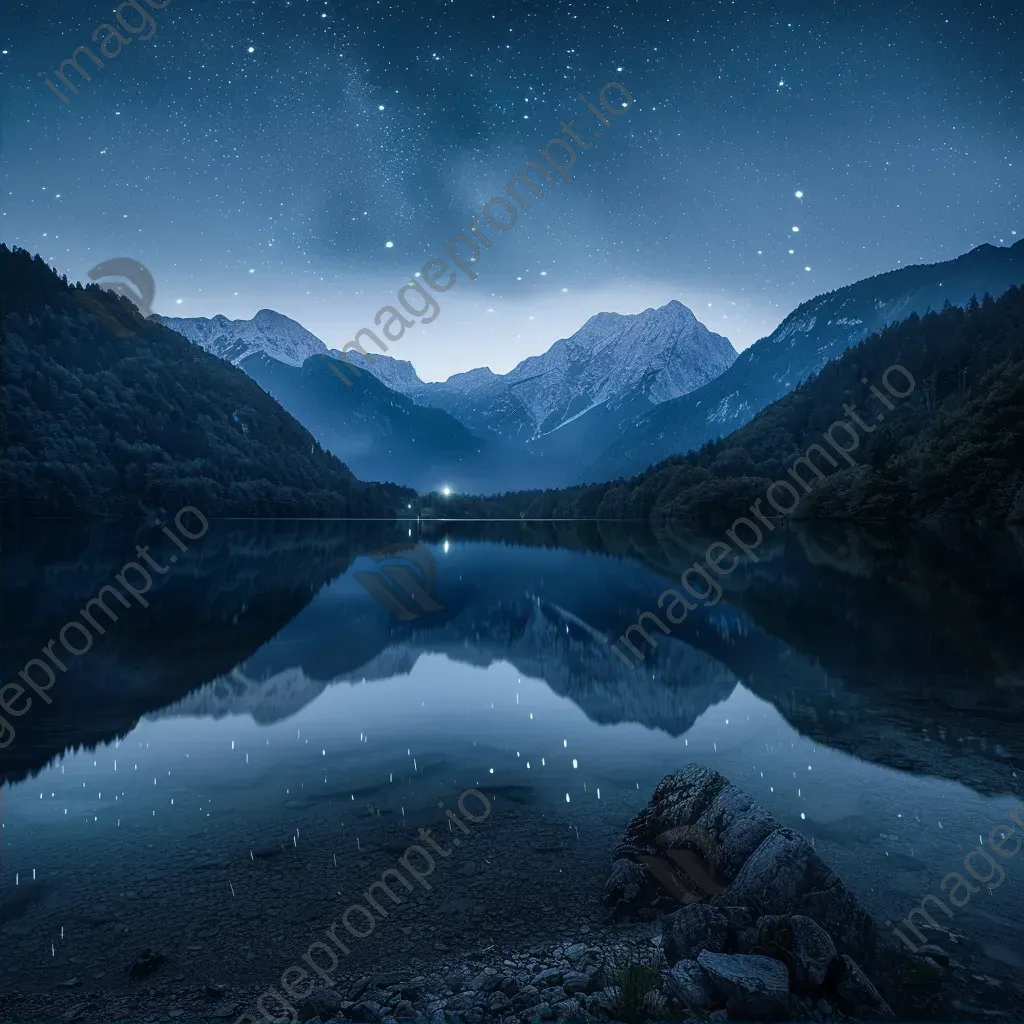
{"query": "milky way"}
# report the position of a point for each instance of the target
(311, 156)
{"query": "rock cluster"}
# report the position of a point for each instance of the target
(563, 983)
(766, 930)
(576, 982)
(780, 967)
(759, 928)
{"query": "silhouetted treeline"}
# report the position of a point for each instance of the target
(107, 413)
(954, 447)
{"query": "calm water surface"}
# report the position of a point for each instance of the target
(228, 766)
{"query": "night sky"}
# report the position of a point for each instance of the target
(261, 153)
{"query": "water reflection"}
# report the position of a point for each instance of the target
(269, 709)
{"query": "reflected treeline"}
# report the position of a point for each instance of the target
(902, 649)
(840, 590)
(226, 596)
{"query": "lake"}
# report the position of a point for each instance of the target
(226, 768)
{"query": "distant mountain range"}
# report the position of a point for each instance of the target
(950, 448)
(619, 395)
(612, 359)
(480, 431)
(381, 434)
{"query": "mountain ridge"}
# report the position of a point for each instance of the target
(659, 353)
(492, 431)
(268, 331)
(818, 330)
(952, 448)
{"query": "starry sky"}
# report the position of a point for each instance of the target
(311, 155)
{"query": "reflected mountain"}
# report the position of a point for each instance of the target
(541, 639)
(901, 650)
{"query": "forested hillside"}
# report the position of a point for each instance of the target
(817, 331)
(107, 413)
(954, 447)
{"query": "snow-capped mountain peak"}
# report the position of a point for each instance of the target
(469, 380)
(666, 351)
(397, 374)
(269, 332)
(657, 355)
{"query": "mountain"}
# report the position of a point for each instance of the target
(613, 360)
(478, 431)
(268, 332)
(814, 333)
(397, 374)
(951, 447)
(105, 413)
(540, 641)
(382, 434)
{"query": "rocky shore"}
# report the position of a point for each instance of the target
(712, 911)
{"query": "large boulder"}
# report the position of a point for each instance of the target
(699, 801)
(702, 840)
(753, 987)
(688, 983)
(784, 876)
